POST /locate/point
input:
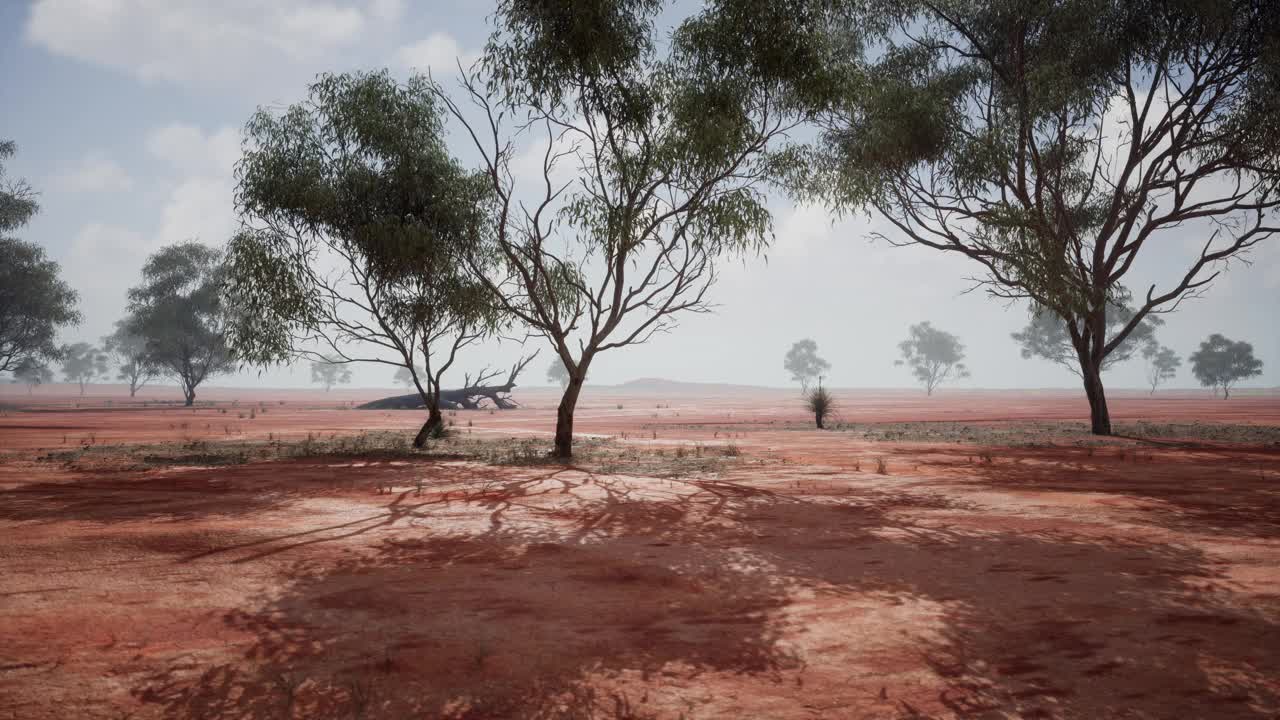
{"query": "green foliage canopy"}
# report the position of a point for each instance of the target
(1221, 362)
(177, 309)
(34, 301)
(359, 219)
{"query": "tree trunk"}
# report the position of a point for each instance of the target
(564, 419)
(1226, 392)
(817, 416)
(1099, 417)
(190, 394)
(132, 391)
(434, 420)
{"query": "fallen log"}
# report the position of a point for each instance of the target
(468, 397)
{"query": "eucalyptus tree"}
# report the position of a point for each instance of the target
(623, 169)
(357, 220)
(1222, 362)
(32, 373)
(1055, 143)
(1162, 364)
(178, 311)
(83, 363)
(129, 350)
(933, 355)
(34, 301)
(328, 373)
(804, 364)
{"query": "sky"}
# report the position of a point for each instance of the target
(127, 116)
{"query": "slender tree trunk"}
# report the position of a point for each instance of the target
(81, 388)
(190, 394)
(1099, 416)
(133, 390)
(1226, 392)
(817, 416)
(434, 421)
(564, 418)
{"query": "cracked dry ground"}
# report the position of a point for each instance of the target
(1043, 583)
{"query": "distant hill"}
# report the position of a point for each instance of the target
(662, 385)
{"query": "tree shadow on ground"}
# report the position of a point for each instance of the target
(579, 579)
(1220, 491)
(183, 494)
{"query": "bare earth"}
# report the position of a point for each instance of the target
(971, 555)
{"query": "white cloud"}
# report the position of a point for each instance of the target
(196, 43)
(103, 261)
(200, 203)
(438, 52)
(386, 10)
(96, 173)
(192, 150)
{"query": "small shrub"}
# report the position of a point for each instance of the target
(882, 467)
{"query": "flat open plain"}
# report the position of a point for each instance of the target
(971, 555)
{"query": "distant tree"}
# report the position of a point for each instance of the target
(178, 312)
(32, 372)
(129, 351)
(557, 373)
(821, 403)
(359, 220)
(933, 355)
(83, 363)
(403, 377)
(1048, 337)
(1056, 144)
(328, 372)
(803, 363)
(1220, 363)
(34, 302)
(1162, 364)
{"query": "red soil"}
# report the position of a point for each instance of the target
(1134, 581)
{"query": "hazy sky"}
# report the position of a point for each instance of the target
(127, 115)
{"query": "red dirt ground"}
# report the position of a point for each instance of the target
(1137, 580)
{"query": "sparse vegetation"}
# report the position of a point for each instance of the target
(820, 402)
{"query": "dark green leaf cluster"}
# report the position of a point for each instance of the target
(34, 301)
(1222, 362)
(542, 51)
(178, 310)
(357, 175)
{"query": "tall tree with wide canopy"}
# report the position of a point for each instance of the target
(1222, 362)
(1054, 142)
(178, 311)
(34, 301)
(358, 221)
(651, 156)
